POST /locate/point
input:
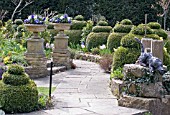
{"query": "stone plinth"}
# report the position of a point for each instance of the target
(157, 49)
(116, 87)
(146, 42)
(155, 105)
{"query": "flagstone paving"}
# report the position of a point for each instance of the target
(83, 91)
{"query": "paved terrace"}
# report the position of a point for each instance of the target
(83, 91)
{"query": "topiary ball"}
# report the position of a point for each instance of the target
(15, 69)
(126, 22)
(101, 29)
(128, 41)
(113, 40)
(140, 30)
(154, 25)
(77, 25)
(21, 28)
(18, 22)
(102, 23)
(160, 32)
(122, 28)
(79, 18)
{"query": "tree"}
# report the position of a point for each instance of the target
(164, 4)
(19, 7)
(3, 14)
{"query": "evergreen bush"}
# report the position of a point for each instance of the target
(102, 29)
(102, 23)
(140, 30)
(161, 33)
(126, 22)
(74, 36)
(77, 25)
(79, 18)
(154, 25)
(119, 28)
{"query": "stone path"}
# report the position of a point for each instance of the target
(83, 91)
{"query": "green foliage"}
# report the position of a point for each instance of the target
(126, 22)
(140, 30)
(154, 25)
(21, 28)
(95, 51)
(122, 28)
(113, 40)
(19, 59)
(102, 29)
(102, 23)
(79, 18)
(74, 36)
(117, 74)
(18, 21)
(129, 41)
(167, 45)
(77, 25)
(15, 80)
(161, 33)
(124, 56)
(15, 69)
(17, 99)
(153, 36)
(166, 58)
(1, 23)
(105, 52)
(96, 39)
(49, 26)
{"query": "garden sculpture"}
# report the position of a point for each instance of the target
(146, 59)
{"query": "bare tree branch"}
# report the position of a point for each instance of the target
(3, 14)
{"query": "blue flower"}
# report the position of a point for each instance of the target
(35, 19)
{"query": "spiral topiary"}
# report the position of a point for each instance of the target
(160, 32)
(18, 92)
(79, 18)
(154, 25)
(126, 22)
(140, 30)
(102, 23)
(18, 22)
(119, 28)
(77, 25)
(101, 29)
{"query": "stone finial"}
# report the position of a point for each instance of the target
(157, 49)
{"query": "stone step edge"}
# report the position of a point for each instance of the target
(57, 69)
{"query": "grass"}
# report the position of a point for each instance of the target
(45, 90)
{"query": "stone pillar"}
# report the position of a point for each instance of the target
(157, 49)
(146, 42)
(61, 54)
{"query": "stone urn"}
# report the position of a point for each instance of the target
(61, 54)
(35, 54)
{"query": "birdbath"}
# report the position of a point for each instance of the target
(35, 54)
(61, 54)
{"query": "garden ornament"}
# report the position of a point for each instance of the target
(146, 59)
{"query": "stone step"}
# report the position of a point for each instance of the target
(57, 69)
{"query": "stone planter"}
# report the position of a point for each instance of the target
(35, 54)
(61, 54)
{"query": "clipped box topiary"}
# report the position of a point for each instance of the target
(154, 25)
(18, 21)
(96, 39)
(126, 22)
(140, 30)
(102, 23)
(166, 58)
(77, 25)
(113, 40)
(98, 29)
(17, 92)
(79, 18)
(161, 33)
(167, 45)
(119, 28)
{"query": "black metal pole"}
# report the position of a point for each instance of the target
(51, 73)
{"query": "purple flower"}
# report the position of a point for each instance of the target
(37, 21)
(65, 16)
(26, 21)
(32, 16)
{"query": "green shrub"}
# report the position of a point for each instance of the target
(161, 33)
(126, 22)
(129, 41)
(79, 18)
(140, 30)
(95, 51)
(15, 69)
(74, 36)
(167, 45)
(96, 39)
(124, 56)
(21, 28)
(117, 74)
(154, 25)
(153, 36)
(18, 21)
(77, 25)
(19, 99)
(102, 23)
(113, 40)
(166, 58)
(15, 80)
(122, 28)
(102, 29)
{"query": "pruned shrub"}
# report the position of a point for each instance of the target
(117, 74)
(95, 51)
(153, 36)
(113, 40)
(166, 58)
(140, 29)
(154, 25)
(77, 25)
(105, 62)
(96, 39)
(18, 21)
(74, 36)
(119, 28)
(167, 46)
(79, 18)
(124, 56)
(161, 33)
(15, 69)
(126, 22)
(101, 29)
(102, 23)
(128, 41)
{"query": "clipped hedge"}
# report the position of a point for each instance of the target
(77, 25)
(161, 33)
(96, 39)
(101, 29)
(124, 56)
(79, 18)
(140, 30)
(122, 28)
(153, 36)
(128, 41)
(166, 58)
(167, 45)
(154, 25)
(102, 23)
(113, 41)
(126, 22)
(74, 36)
